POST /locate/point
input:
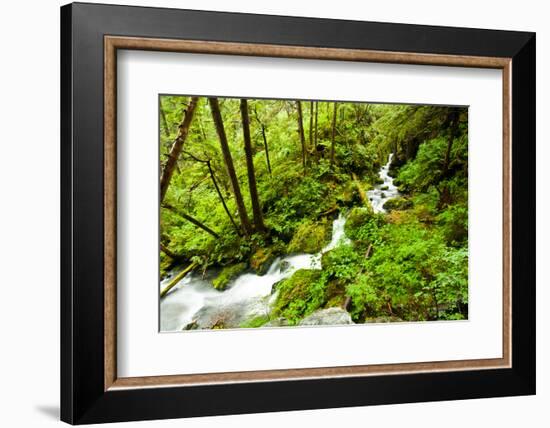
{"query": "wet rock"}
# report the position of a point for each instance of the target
(283, 266)
(277, 322)
(191, 326)
(262, 259)
(330, 316)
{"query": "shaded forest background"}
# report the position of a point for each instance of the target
(244, 181)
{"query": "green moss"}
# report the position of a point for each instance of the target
(165, 265)
(262, 259)
(398, 203)
(255, 322)
(336, 302)
(310, 237)
(227, 274)
(335, 294)
(300, 295)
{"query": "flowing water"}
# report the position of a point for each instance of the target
(385, 191)
(195, 301)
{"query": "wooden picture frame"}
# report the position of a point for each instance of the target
(91, 390)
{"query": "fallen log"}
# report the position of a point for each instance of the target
(177, 279)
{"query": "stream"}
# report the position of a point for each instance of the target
(385, 191)
(194, 301)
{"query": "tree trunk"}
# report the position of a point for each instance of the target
(177, 279)
(316, 122)
(256, 209)
(333, 135)
(177, 147)
(310, 127)
(164, 121)
(266, 150)
(222, 199)
(228, 160)
(301, 133)
(453, 125)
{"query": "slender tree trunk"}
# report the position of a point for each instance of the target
(453, 125)
(218, 122)
(266, 148)
(301, 133)
(316, 122)
(310, 126)
(256, 209)
(177, 147)
(333, 134)
(264, 137)
(222, 199)
(199, 224)
(445, 196)
(164, 121)
(192, 220)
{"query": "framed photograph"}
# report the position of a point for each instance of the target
(266, 213)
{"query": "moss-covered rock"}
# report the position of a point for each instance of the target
(398, 203)
(357, 217)
(299, 295)
(255, 322)
(310, 237)
(227, 274)
(262, 259)
(335, 293)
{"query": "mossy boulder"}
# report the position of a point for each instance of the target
(310, 237)
(335, 293)
(299, 295)
(357, 217)
(347, 195)
(227, 274)
(261, 260)
(398, 203)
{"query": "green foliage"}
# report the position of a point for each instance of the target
(341, 263)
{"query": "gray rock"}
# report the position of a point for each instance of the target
(283, 267)
(329, 316)
(277, 322)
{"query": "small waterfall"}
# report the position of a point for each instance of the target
(249, 295)
(385, 191)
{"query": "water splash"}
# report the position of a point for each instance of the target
(249, 295)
